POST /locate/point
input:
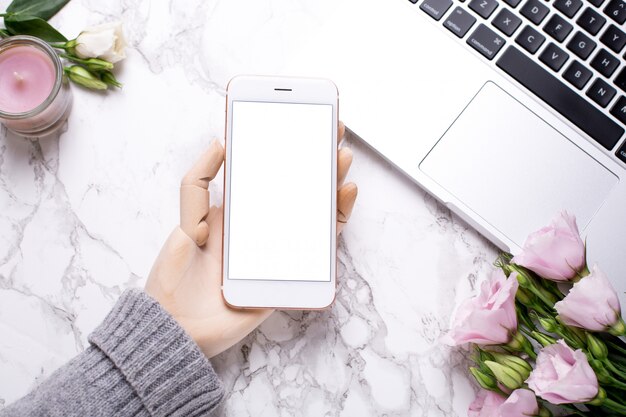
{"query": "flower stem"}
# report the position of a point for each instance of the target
(618, 362)
(543, 296)
(570, 334)
(615, 406)
(616, 347)
(540, 310)
(553, 288)
(616, 383)
(615, 370)
(72, 58)
(522, 313)
(58, 45)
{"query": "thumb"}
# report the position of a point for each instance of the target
(172, 263)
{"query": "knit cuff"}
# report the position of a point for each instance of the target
(165, 367)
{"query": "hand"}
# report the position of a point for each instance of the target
(186, 277)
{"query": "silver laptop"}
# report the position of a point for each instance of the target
(507, 111)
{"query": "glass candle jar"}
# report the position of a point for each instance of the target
(35, 98)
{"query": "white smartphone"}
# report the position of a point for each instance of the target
(280, 193)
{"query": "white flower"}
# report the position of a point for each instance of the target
(104, 41)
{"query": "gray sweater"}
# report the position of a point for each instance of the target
(140, 363)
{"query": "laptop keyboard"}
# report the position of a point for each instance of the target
(566, 52)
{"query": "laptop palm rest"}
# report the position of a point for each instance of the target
(513, 169)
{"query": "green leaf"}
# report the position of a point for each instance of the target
(33, 26)
(43, 9)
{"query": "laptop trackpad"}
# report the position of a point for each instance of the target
(513, 169)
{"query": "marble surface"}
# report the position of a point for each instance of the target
(84, 212)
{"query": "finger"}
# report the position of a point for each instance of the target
(341, 132)
(194, 194)
(206, 168)
(346, 197)
(344, 160)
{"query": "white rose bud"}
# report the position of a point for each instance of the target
(104, 41)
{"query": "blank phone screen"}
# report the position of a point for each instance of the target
(281, 196)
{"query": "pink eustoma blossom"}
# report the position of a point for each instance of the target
(521, 403)
(488, 318)
(554, 252)
(486, 404)
(591, 303)
(563, 375)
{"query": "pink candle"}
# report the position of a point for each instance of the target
(27, 76)
(34, 99)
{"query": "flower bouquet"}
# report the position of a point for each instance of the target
(90, 57)
(545, 331)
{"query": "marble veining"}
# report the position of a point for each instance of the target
(84, 212)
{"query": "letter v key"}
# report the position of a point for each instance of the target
(554, 57)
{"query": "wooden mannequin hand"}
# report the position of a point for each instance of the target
(186, 276)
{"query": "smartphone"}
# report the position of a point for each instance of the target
(280, 193)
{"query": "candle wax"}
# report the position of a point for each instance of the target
(27, 76)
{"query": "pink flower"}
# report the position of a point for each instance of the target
(521, 403)
(485, 404)
(591, 303)
(563, 375)
(554, 252)
(488, 318)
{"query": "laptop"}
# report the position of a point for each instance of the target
(507, 111)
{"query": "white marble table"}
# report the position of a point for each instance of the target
(83, 214)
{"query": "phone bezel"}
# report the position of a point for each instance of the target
(279, 294)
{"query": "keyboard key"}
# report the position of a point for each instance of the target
(558, 28)
(560, 97)
(535, 11)
(459, 22)
(621, 153)
(530, 39)
(484, 8)
(486, 41)
(436, 8)
(596, 3)
(513, 3)
(506, 22)
(581, 45)
(619, 111)
(554, 57)
(614, 38)
(413, 1)
(601, 92)
(616, 10)
(620, 80)
(591, 21)
(577, 74)
(568, 7)
(605, 63)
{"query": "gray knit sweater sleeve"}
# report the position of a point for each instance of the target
(140, 363)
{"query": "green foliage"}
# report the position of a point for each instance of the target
(43, 9)
(535, 300)
(33, 26)
(109, 79)
(29, 17)
(81, 76)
